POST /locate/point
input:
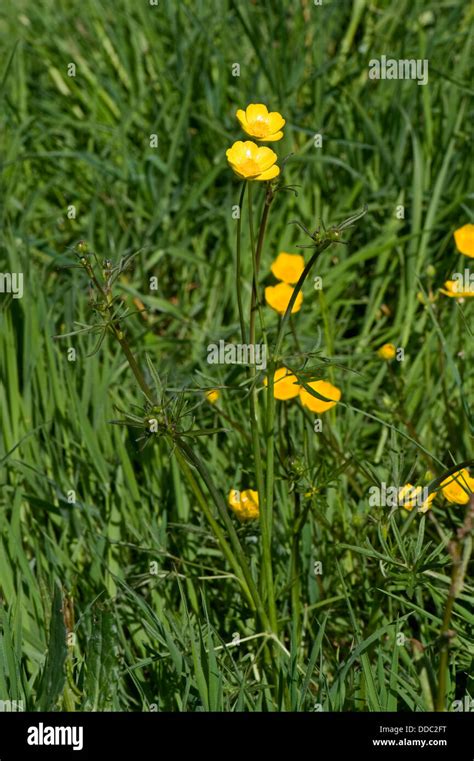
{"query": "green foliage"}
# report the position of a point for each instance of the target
(95, 514)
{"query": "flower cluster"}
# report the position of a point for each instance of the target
(248, 160)
(409, 497)
(287, 268)
(456, 489)
(286, 386)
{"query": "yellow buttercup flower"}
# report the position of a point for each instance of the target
(410, 496)
(286, 384)
(278, 297)
(252, 162)
(464, 237)
(244, 504)
(451, 288)
(387, 351)
(458, 486)
(212, 395)
(331, 393)
(261, 124)
(288, 267)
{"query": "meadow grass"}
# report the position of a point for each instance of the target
(131, 567)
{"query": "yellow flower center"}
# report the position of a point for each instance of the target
(249, 167)
(259, 127)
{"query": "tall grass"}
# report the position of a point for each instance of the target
(115, 593)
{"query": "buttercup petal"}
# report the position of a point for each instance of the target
(457, 487)
(256, 111)
(286, 384)
(244, 503)
(276, 122)
(331, 393)
(464, 238)
(236, 152)
(278, 297)
(265, 158)
(451, 288)
(288, 267)
(242, 117)
(272, 138)
(274, 171)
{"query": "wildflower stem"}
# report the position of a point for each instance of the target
(295, 580)
(256, 257)
(236, 558)
(106, 298)
(460, 550)
(199, 465)
(265, 508)
(218, 533)
(267, 516)
(254, 411)
(270, 424)
(238, 264)
(233, 552)
(135, 367)
(281, 332)
(271, 420)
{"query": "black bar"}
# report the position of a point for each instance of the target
(312, 735)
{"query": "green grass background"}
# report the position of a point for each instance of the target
(161, 640)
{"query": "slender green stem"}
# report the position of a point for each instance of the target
(119, 334)
(224, 513)
(460, 550)
(267, 522)
(269, 475)
(269, 196)
(238, 264)
(233, 552)
(254, 410)
(269, 432)
(219, 534)
(133, 364)
(284, 321)
(266, 583)
(444, 651)
(254, 299)
(237, 559)
(295, 335)
(256, 304)
(295, 567)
